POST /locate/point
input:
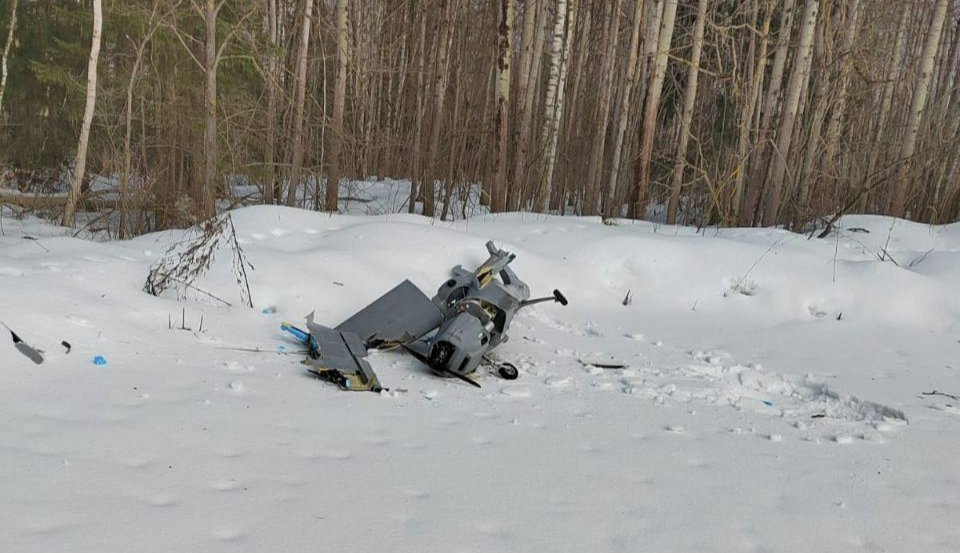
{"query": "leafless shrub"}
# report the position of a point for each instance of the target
(188, 260)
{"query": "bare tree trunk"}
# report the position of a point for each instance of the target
(396, 104)
(628, 84)
(830, 162)
(339, 100)
(546, 195)
(798, 77)
(886, 100)
(898, 202)
(642, 191)
(527, 135)
(152, 27)
(11, 30)
(70, 209)
(502, 113)
(296, 165)
(529, 48)
(440, 78)
(272, 78)
(746, 121)
(211, 155)
(751, 196)
(950, 113)
(553, 105)
(452, 158)
(840, 105)
(595, 172)
(572, 133)
(949, 177)
(650, 38)
(417, 174)
(821, 103)
(485, 170)
(689, 99)
(653, 16)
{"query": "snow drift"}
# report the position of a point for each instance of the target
(773, 399)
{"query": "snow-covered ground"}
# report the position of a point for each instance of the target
(773, 399)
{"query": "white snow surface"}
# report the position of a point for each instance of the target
(772, 399)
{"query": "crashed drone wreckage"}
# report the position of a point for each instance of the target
(451, 333)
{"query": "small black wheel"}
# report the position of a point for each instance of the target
(507, 371)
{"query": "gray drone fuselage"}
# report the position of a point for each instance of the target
(478, 309)
(451, 333)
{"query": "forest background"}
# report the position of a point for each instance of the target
(703, 112)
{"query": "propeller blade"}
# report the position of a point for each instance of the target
(463, 377)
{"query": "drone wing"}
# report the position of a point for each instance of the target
(401, 315)
(340, 356)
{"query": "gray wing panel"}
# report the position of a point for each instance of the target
(340, 351)
(354, 344)
(335, 349)
(400, 315)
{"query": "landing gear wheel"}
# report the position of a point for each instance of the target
(507, 371)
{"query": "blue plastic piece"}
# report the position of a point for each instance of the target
(767, 403)
(99, 360)
(301, 335)
(296, 332)
(270, 309)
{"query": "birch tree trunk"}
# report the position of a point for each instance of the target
(502, 111)
(748, 206)
(80, 167)
(821, 103)
(917, 106)
(11, 31)
(439, 99)
(798, 77)
(296, 166)
(546, 199)
(642, 191)
(689, 99)
(339, 101)
(629, 83)
(551, 108)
